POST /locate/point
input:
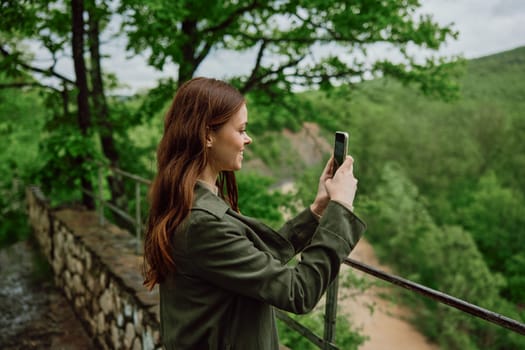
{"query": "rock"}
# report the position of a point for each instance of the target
(78, 287)
(101, 323)
(128, 310)
(147, 340)
(137, 319)
(129, 336)
(106, 302)
(137, 344)
(114, 334)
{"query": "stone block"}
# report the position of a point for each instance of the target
(77, 285)
(90, 282)
(128, 310)
(103, 279)
(129, 335)
(147, 340)
(101, 323)
(120, 320)
(137, 321)
(106, 302)
(115, 339)
(137, 344)
(87, 259)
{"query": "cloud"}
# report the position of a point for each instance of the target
(509, 8)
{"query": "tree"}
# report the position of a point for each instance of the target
(84, 118)
(96, 16)
(60, 27)
(315, 43)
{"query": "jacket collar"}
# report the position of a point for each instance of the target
(206, 200)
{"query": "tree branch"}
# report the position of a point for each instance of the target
(204, 52)
(255, 80)
(233, 16)
(47, 72)
(252, 79)
(24, 84)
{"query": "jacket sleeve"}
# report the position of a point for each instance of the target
(221, 253)
(299, 230)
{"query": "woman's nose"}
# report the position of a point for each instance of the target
(247, 140)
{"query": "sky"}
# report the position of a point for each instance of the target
(485, 27)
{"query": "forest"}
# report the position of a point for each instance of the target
(438, 146)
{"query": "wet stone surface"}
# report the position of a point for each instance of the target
(34, 314)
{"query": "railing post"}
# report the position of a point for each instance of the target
(100, 197)
(330, 313)
(138, 219)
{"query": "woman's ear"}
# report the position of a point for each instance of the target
(209, 139)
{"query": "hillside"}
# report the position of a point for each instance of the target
(491, 86)
(440, 187)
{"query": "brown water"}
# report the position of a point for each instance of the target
(387, 326)
(34, 314)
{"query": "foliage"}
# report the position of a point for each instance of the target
(21, 120)
(498, 233)
(405, 232)
(295, 43)
(346, 337)
(255, 200)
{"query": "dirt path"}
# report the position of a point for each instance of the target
(385, 326)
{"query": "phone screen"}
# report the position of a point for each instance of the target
(340, 149)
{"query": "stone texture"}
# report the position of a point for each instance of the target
(128, 310)
(103, 279)
(148, 298)
(137, 321)
(137, 344)
(90, 283)
(100, 273)
(129, 336)
(78, 286)
(101, 323)
(114, 334)
(120, 320)
(106, 302)
(147, 340)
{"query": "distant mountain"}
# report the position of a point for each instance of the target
(498, 77)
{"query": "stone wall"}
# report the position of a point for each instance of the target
(99, 272)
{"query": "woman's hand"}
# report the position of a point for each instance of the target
(322, 198)
(343, 185)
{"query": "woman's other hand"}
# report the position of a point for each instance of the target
(343, 185)
(322, 198)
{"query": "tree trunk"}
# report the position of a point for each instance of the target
(101, 110)
(189, 63)
(84, 122)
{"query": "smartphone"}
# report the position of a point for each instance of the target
(340, 149)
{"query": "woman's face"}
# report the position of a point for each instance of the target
(228, 142)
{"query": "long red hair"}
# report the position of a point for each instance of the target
(200, 105)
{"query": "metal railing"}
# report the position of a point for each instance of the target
(327, 342)
(102, 204)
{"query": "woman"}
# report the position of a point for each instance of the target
(221, 273)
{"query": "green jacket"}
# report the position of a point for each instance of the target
(231, 270)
